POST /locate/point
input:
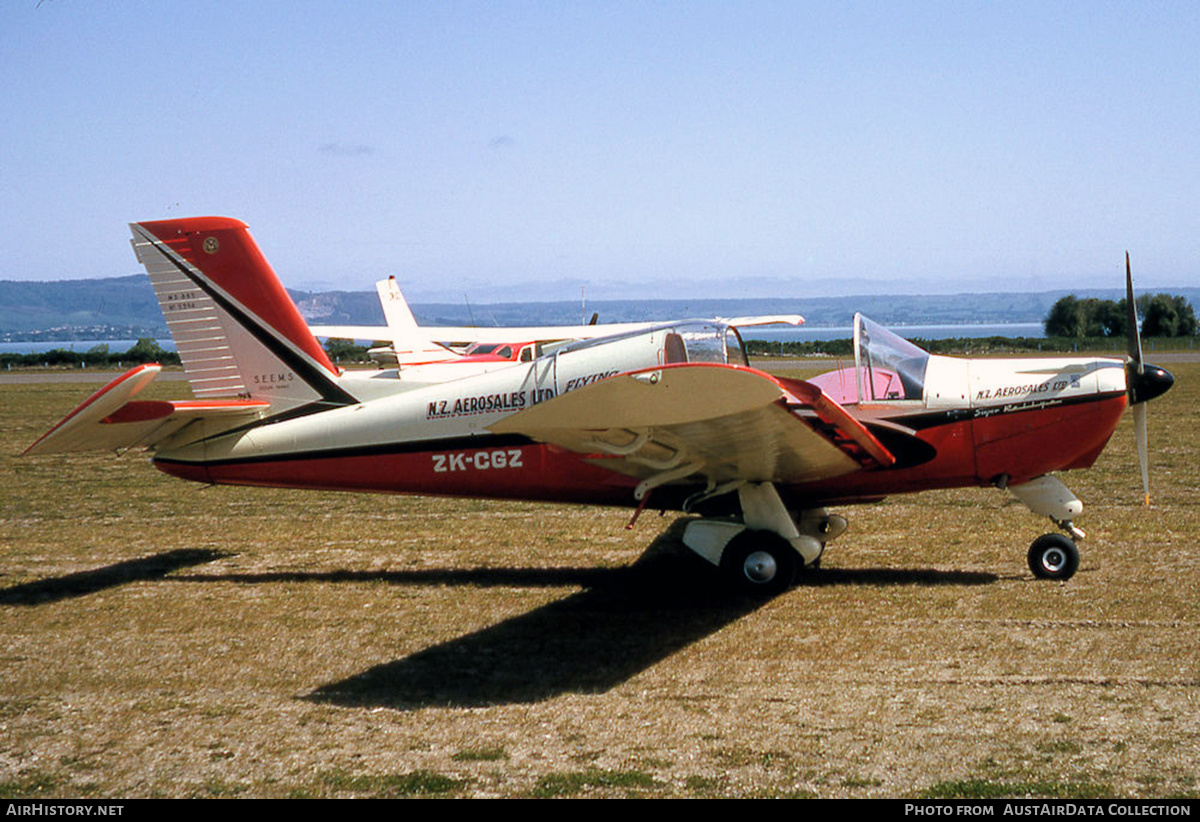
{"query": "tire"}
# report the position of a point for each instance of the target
(1053, 556)
(759, 564)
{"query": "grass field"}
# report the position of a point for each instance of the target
(164, 639)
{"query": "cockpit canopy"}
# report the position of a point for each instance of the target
(887, 368)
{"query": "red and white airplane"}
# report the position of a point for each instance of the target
(671, 415)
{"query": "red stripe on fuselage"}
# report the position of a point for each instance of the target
(533, 472)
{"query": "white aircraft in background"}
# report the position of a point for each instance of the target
(412, 344)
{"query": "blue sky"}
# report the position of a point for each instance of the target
(477, 148)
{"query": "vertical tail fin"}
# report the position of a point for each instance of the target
(237, 331)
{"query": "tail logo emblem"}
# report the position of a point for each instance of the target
(211, 245)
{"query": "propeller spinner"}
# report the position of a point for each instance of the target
(1143, 382)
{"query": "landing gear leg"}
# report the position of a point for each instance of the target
(1052, 556)
(761, 555)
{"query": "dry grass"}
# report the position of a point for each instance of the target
(162, 639)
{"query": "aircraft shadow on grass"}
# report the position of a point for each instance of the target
(625, 621)
(82, 583)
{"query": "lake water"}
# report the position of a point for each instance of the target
(82, 346)
(925, 332)
(774, 334)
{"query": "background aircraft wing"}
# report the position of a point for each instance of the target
(723, 423)
(471, 334)
(551, 333)
(767, 319)
(464, 334)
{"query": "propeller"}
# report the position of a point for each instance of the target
(1143, 382)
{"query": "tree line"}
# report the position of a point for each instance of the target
(143, 351)
(1163, 315)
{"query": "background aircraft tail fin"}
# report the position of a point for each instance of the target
(395, 308)
(236, 329)
(409, 342)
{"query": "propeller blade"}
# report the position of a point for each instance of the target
(1142, 382)
(1131, 324)
(1139, 424)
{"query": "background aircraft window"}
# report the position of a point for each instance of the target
(735, 352)
(673, 349)
(705, 343)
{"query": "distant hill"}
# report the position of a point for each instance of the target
(77, 304)
(125, 307)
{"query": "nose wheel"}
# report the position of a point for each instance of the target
(1053, 556)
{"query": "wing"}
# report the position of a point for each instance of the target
(723, 423)
(110, 421)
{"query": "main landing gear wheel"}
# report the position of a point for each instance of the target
(1053, 556)
(759, 563)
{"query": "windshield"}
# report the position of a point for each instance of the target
(888, 366)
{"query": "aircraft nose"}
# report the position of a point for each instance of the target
(1151, 383)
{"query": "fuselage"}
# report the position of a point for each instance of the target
(950, 422)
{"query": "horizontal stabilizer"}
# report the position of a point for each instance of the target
(110, 421)
(71, 432)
